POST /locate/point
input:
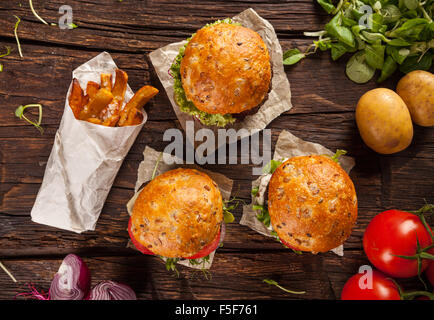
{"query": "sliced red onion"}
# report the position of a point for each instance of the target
(110, 290)
(72, 280)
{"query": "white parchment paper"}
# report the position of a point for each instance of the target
(287, 146)
(144, 174)
(279, 98)
(84, 161)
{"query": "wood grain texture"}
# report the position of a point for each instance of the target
(324, 101)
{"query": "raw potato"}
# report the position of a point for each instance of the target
(417, 91)
(384, 121)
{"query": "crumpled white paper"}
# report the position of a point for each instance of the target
(279, 97)
(84, 161)
(287, 146)
(144, 174)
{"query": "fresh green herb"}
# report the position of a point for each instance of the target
(154, 172)
(398, 32)
(16, 35)
(274, 283)
(7, 272)
(358, 70)
(271, 166)
(292, 56)
(8, 52)
(19, 112)
(228, 207)
(227, 215)
(338, 154)
(263, 215)
(35, 14)
(202, 262)
(171, 264)
(255, 191)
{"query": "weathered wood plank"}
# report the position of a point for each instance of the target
(233, 275)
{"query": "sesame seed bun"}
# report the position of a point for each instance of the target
(177, 213)
(226, 69)
(312, 203)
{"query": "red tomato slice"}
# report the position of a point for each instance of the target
(208, 248)
(287, 245)
(382, 288)
(137, 244)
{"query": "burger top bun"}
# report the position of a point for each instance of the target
(312, 203)
(226, 69)
(177, 213)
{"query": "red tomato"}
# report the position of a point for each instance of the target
(393, 233)
(382, 288)
(137, 244)
(429, 272)
(208, 248)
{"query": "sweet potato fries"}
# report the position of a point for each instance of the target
(103, 103)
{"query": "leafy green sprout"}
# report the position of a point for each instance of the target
(19, 112)
(16, 35)
(228, 207)
(377, 45)
(35, 14)
(275, 283)
(8, 52)
(7, 272)
(171, 264)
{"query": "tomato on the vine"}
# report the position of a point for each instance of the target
(382, 288)
(396, 233)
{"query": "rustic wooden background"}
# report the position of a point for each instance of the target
(324, 101)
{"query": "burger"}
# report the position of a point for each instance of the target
(222, 73)
(178, 215)
(312, 203)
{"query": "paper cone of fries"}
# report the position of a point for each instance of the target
(84, 161)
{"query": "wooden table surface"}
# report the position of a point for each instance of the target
(324, 101)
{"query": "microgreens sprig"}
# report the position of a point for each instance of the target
(274, 283)
(19, 112)
(8, 52)
(154, 172)
(7, 272)
(35, 14)
(338, 154)
(202, 261)
(263, 215)
(171, 264)
(16, 35)
(228, 207)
